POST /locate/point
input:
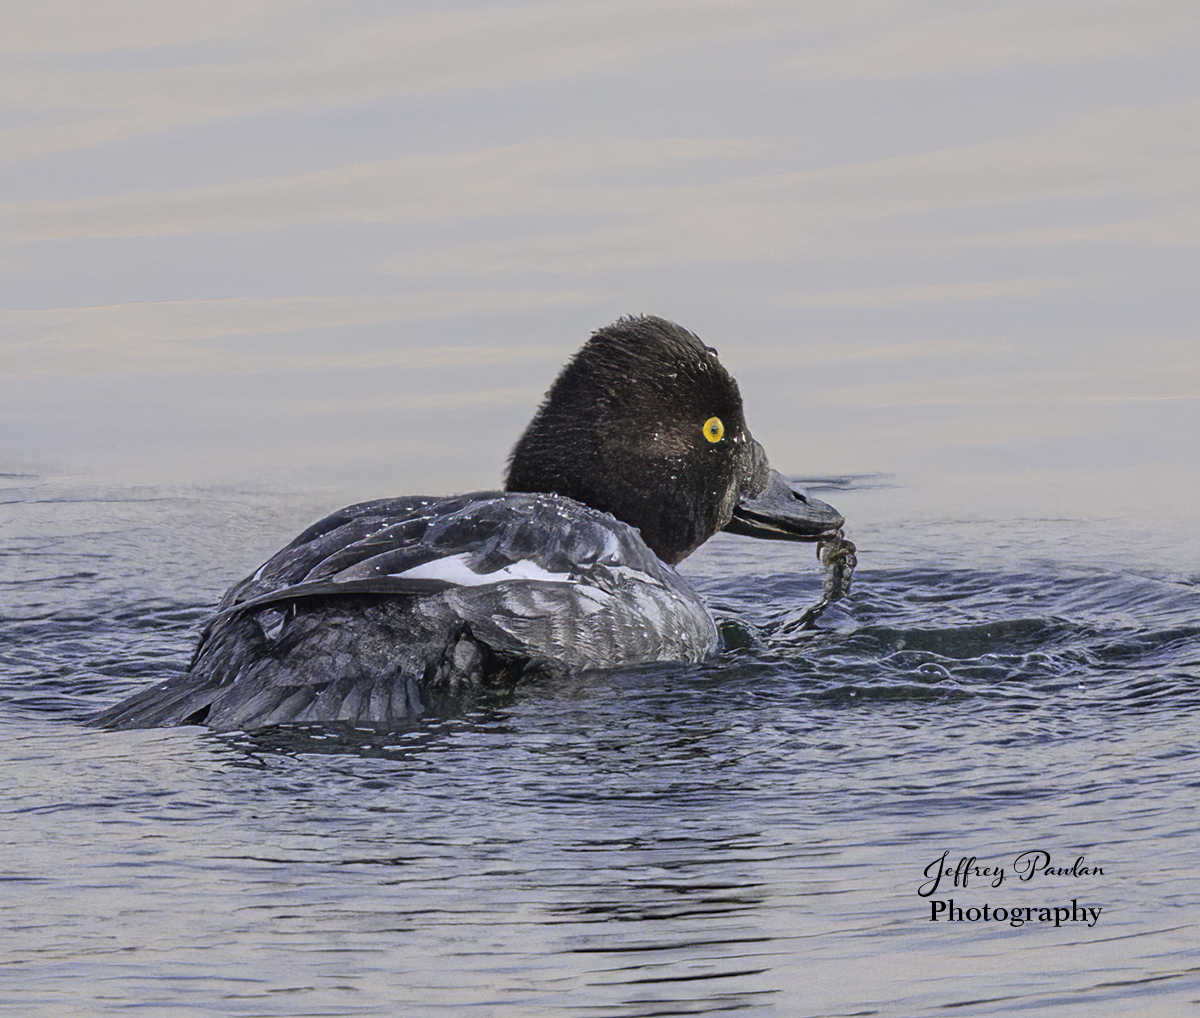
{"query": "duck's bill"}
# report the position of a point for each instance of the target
(782, 513)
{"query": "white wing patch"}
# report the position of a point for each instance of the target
(454, 569)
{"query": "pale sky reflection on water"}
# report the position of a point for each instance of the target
(313, 245)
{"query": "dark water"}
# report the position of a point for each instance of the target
(750, 835)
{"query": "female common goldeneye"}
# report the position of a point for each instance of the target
(637, 456)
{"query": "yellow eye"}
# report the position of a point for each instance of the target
(714, 430)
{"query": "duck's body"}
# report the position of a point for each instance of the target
(383, 607)
(638, 455)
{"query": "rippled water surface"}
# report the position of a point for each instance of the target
(750, 835)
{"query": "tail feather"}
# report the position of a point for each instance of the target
(376, 660)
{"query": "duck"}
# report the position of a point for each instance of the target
(388, 609)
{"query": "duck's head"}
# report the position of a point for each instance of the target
(644, 423)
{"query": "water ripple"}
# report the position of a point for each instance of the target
(660, 840)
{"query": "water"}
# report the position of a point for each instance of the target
(749, 835)
(271, 258)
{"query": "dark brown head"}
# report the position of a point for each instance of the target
(646, 424)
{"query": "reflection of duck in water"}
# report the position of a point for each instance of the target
(637, 456)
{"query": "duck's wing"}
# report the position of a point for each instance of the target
(358, 549)
(536, 576)
(424, 545)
